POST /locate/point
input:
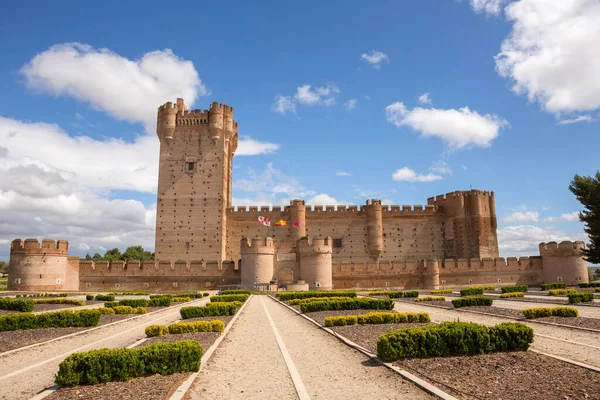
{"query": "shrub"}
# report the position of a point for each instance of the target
(235, 303)
(285, 296)
(131, 293)
(60, 319)
(453, 339)
(472, 301)
(429, 298)
(205, 294)
(353, 304)
(553, 285)
(396, 295)
(235, 292)
(441, 291)
(561, 292)
(156, 330)
(229, 297)
(156, 296)
(197, 326)
(295, 302)
(208, 311)
(90, 297)
(180, 299)
(106, 311)
(597, 289)
(471, 291)
(341, 320)
(16, 305)
(129, 310)
(105, 297)
(61, 301)
(133, 303)
(111, 304)
(392, 318)
(516, 288)
(108, 365)
(44, 295)
(585, 297)
(542, 312)
(512, 294)
(160, 302)
(590, 285)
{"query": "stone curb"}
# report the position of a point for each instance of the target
(426, 386)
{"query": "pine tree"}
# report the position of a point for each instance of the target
(587, 191)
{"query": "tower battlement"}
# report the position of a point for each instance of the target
(307, 245)
(32, 247)
(562, 249)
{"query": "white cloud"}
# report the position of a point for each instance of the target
(458, 128)
(527, 216)
(343, 173)
(570, 217)
(441, 167)
(375, 58)
(250, 147)
(361, 194)
(319, 95)
(581, 118)
(350, 104)
(425, 99)
(464, 167)
(523, 240)
(283, 105)
(491, 7)
(129, 90)
(323, 199)
(552, 53)
(408, 175)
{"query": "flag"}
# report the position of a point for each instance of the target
(281, 222)
(265, 221)
(297, 224)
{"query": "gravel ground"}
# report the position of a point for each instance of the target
(503, 312)
(446, 304)
(156, 387)
(206, 339)
(580, 322)
(519, 375)
(366, 335)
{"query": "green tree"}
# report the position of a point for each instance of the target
(3, 267)
(112, 255)
(587, 191)
(137, 253)
(97, 257)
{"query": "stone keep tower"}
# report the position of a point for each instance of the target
(194, 181)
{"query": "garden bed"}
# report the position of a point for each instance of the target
(43, 308)
(578, 322)
(445, 304)
(366, 335)
(320, 316)
(502, 312)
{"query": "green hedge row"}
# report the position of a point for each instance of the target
(208, 311)
(581, 297)
(453, 339)
(229, 297)
(285, 296)
(553, 285)
(133, 303)
(516, 288)
(396, 295)
(472, 301)
(353, 304)
(16, 305)
(108, 365)
(129, 310)
(106, 311)
(104, 297)
(160, 302)
(441, 291)
(512, 294)
(589, 285)
(295, 302)
(542, 312)
(561, 292)
(235, 292)
(61, 301)
(43, 295)
(132, 293)
(377, 318)
(470, 291)
(60, 319)
(221, 303)
(180, 299)
(429, 298)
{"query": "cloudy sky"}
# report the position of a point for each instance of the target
(337, 102)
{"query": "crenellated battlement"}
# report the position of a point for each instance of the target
(257, 245)
(562, 249)
(307, 245)
(33, 247)
(460, 193)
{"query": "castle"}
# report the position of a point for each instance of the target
(202, 241)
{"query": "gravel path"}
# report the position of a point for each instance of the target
(26, 372)
(584, 311)
(572, 344)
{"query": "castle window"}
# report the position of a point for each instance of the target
(191, 166)
(337, 243)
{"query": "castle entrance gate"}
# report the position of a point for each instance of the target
(285, 276)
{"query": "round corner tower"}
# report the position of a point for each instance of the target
(42, 267)
(315, 262)
(257, 260)
(431, 274)
(563, 262)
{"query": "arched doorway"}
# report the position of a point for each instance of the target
(285, 276)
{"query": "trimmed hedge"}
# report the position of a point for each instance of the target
(156, 330)
(553, 285)
(43, 295)
(132, 293)
(61, 301)
(353, 304)
(108, 365)
(236, 303)
(453, 339)
(104, 297)
(111, 304)
(156, 296)
(16, 305)
(512, 294)
(295, 302)
(197, 326)
(590, 285)
(396, 295)
(180, 299)
(205, 294)
(585, 297)
(208, 311)
(129, 310)
(90, 297)
(561, 292)
(377, 318)
(106, 311)
(341, 320)
(597, 289)
(60, 319)
(516, 288)
(471, 291)
(133, 303)
(229, 297)
(429, 298)
(472, 301)
(441, 291)
(160, 302)
(541, 312)
(285, 296)
(235, 292)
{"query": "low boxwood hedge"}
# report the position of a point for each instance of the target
(377, 318)
(156, 296)
(61, 301)
(235, 292)
(590, 285)
(516, 288)
(197, 326)
(129, 310)
(208, 311)
(441, 291)
(295, 302)
(235, 303)
(470, 291)
(285, 296)
(541, 312)
(180, 299)
(156, 330)
(108, 365)
(105, 297)
(453, 339)
(472, 301)
(229, 297)
(132, 293)
(429, 298)
(205, 294)
(353, 304)
(133, 303)
(160, 302)
(585, 297)
(60, 319)
(561, 292)
(553, 285)
(90, 297)
(106, 311)
(396, 295)
(16, 305)
(512, 294)
(43, 295)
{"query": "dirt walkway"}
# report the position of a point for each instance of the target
(250, 363)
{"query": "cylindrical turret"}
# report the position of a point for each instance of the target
(315, 262)
(297, 217)
(215, 121)
(563, 262)
(493, 219)
(257, 260)
(374, 228)
(165, 124)
(431, 274)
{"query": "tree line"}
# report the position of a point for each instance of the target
(131, 253)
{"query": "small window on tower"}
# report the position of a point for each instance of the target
(191, 166)
(337, 243)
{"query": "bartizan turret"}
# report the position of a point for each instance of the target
(374, 228)
(563, 262)
(257, 260)
(315, 262)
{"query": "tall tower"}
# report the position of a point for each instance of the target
(194, 181)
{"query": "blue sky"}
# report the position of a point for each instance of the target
(337, 102)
